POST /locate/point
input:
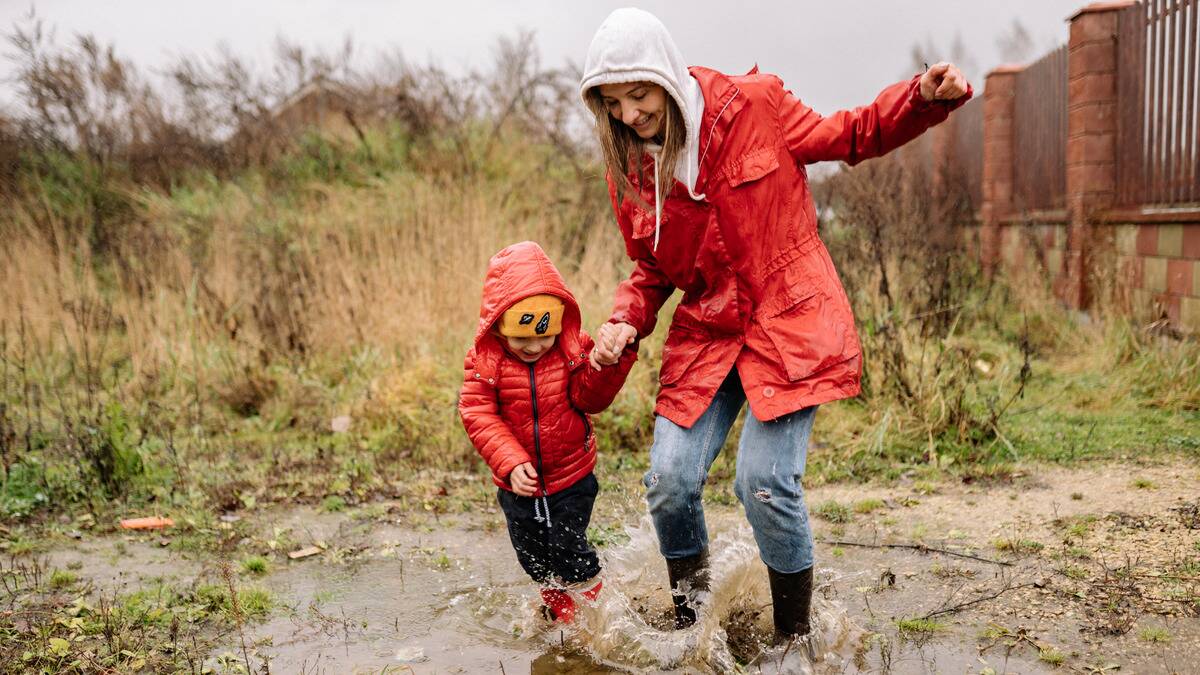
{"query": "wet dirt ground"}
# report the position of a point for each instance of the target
(1085, 570)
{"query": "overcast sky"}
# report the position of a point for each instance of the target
(831, 54)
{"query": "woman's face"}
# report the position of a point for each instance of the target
(642, 106)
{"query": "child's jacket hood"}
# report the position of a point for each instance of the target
(515, 273)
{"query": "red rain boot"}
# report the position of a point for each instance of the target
(558, 604)
(591, 593)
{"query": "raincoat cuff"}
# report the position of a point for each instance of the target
(915, 98)
(919, 103)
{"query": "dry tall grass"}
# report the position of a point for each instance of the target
(193, 331)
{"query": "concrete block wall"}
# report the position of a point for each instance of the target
(1160, 266)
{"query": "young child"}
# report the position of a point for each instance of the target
(526, 396)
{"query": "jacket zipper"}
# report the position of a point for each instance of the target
(587, 428)
(537, 434)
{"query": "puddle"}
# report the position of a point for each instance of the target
(448, 596)
(456, 600)
(436, 602)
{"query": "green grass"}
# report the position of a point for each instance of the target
(868, 505)
(20, 546)
(60, 579)
(1155, 635)
(913, 629)
(255, 603)
(333, 504)
(1078, 527)
(1074, 572)
(1052, 656)
(1018, 546)
(610, 534)
(832, 511)
(255, 564)
(1079, 553)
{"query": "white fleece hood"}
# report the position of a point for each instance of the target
(632, 45)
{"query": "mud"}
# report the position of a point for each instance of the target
(447, 595)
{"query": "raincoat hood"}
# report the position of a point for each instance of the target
(518, 272)
(632, 45)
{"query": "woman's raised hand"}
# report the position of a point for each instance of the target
(611, 340)
(943, 82)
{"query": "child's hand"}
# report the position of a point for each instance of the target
(524, 480)
(611, 339)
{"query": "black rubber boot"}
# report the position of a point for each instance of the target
(688, 576)
(791, 599)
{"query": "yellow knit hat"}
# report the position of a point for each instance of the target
(535, 316)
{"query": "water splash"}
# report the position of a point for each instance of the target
(628, 627)
(482, 612)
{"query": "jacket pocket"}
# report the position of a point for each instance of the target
(751, 166)
(808, 328)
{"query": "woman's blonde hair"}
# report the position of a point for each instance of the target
(621, 146)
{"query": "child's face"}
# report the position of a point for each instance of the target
(529, 349)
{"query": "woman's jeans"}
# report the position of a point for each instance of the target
(770, 464)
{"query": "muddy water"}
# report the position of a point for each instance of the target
(449, 596)
(453, 599)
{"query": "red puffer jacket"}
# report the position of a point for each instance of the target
(516, 412)
(760, 290)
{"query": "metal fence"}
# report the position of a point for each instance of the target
(1040, 128)
(1157, 94)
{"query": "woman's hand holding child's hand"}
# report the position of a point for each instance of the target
(524, 479)
(611, 340)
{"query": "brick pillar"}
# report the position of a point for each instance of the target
(998, 136)
(1091, 136)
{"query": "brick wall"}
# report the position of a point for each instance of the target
(1150, 255)
(1160, 266)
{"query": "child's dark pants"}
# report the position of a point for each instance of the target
(557, 546)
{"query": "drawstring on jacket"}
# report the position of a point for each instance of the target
(657, 202)
(545, 507)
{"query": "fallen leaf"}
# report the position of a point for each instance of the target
(410, 655)
(304, 552)
(340, 424)
(59, 646)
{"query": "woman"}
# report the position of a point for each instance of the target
(707, 177)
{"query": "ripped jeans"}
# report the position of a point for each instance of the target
(770, 464)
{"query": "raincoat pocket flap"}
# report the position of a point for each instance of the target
(751, 166)
(794, 288)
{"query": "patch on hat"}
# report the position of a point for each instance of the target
(535, 316)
